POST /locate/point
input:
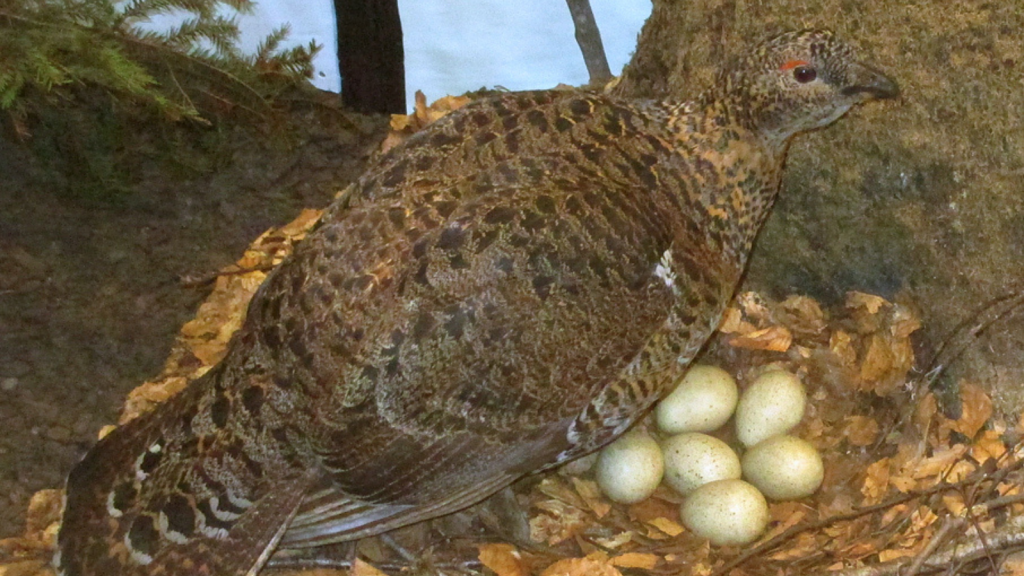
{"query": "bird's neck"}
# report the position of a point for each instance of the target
(738, 175)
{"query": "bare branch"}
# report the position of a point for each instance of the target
(589, 39)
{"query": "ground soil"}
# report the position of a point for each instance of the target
(92, 291)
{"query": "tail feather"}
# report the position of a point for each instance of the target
(330, 516)
(165, 495)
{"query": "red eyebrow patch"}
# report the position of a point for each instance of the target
(793, 64)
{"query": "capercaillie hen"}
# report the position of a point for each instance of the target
(506, 290)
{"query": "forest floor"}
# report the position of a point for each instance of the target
(92, 291)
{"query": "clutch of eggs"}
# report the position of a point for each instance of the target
(719, 506)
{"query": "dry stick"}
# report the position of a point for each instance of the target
(957, 341)
(965, 332)
(982, 540)
(974, 479)
(1009, 537)
(947, 527)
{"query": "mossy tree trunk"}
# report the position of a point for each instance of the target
(920, 199)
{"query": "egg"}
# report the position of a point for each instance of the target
(703, 401)
(773, 404)
(726, 512)
(694, 459)
(784, 468)
(630, 469)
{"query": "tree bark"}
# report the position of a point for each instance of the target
(371, 56)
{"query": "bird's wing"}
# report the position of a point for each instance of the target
(449, 324)
(464, 341)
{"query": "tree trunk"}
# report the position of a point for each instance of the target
(920, 199)
(371, 57)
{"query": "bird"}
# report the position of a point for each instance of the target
(506, 290)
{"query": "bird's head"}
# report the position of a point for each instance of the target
(799, 81)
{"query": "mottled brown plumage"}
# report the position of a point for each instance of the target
(507, 290)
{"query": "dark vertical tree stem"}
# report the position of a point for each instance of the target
(371, 56)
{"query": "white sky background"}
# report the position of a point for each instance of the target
(454, 46)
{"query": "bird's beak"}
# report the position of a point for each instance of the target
(870, 83)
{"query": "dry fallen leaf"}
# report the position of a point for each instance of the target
(654, 510)
(876, 481)
(635, 560)
(393, 138)
(556, 488)
(669, 527)
(878, 360)
(426, 115)
(615, 541)
(904, 321)
(860, 430)
(939, 463)
(925, 412)
(400, 121)
(733, 323)
(785, 515)
(296, 229)
(403, 126)
(869, 302)
(988, 446)
(591, 494)
(893, 513)
(581, 567)
(954, 502)
(773, 338)
(895, 553)
(977, 409)
(1013, 565)
(841, 344)
(360, 568)
(147, 395)
(44, 509)
(503, 559)
(922, 517)
(805, 543)
(802, 314)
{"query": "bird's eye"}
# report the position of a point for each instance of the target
(804, 74)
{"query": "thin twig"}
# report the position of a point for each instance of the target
(954, 345)
(972, 480)
(948, 525)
